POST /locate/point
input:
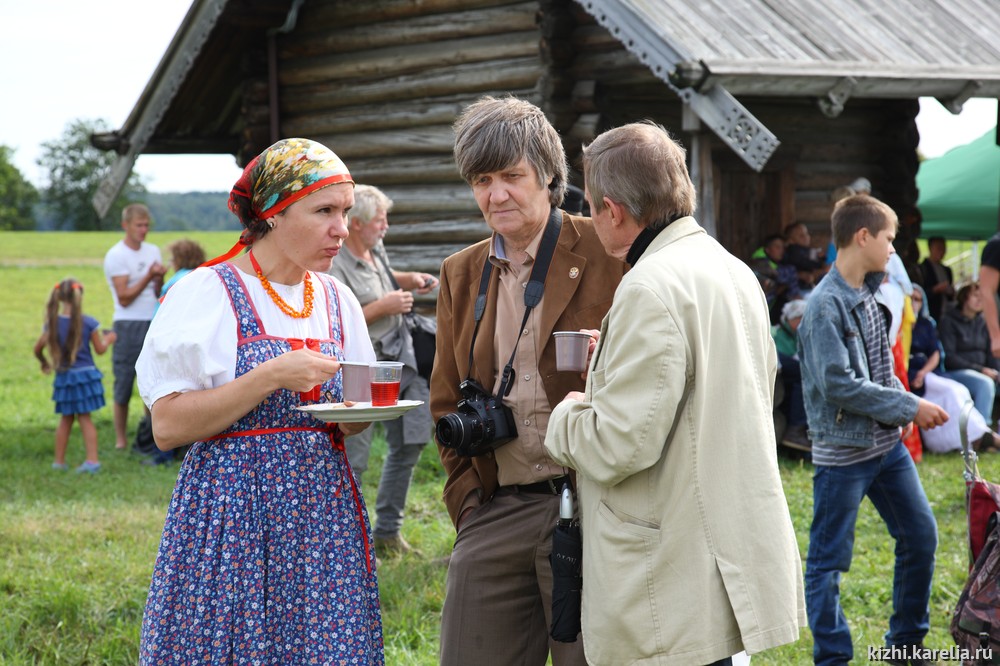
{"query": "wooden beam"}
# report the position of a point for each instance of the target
(421, 140)
(448, 199)
(411, 30)
(417, 113)
(348, 14)
(439, 232)
(510, 74)
(397, 60)
(405, 170)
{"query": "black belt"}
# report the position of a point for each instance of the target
(550, 487)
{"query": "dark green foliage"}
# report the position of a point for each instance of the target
(17, 195)
(75, 170)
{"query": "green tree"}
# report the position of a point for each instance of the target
(76, 169)
(17, 195)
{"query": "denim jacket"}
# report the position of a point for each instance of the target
(843, 405)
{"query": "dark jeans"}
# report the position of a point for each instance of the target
(792, 406)
(893, 486)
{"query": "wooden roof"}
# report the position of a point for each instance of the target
(709, 51)
(903, 48)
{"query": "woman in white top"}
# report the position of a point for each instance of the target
(265, 555)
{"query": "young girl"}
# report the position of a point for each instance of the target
(77, 389)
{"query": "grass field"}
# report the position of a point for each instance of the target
(76, 552)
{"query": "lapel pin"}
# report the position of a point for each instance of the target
(574, 272)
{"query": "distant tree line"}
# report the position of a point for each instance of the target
(75, 170)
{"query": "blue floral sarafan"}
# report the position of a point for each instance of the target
(265, 556)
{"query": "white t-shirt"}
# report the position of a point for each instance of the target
(123, 260)
(191, 344)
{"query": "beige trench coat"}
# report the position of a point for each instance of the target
(689, 550)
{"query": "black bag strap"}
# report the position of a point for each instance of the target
(408, 316)
(385, 265)
(532, 294)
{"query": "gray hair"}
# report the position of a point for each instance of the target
(368, 201)
(641, 167)
(494, 134)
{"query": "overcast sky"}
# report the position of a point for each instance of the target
(66, 60)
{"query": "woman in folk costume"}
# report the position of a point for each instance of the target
(265, 556)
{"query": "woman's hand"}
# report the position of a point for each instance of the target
(301, 370)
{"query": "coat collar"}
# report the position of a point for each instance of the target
(852, 297)
(676, 230)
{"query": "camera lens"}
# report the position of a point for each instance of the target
(458, 431)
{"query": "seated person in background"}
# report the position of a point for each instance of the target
(785, 336)
(927, 381)
(800, 254)
(966, 343)
(779, 281)
(936, 278)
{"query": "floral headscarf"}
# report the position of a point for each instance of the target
(289, 170)
(284, 173)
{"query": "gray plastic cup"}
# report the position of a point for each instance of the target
(571, 350)
(357, 384)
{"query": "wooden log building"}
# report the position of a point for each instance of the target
(779, 102)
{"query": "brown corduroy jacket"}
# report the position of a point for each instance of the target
(579, 287)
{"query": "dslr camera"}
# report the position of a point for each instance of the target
(481, 424)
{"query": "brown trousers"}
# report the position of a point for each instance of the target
(498, 599)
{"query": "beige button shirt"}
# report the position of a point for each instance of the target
(524, 459)
(369, 284)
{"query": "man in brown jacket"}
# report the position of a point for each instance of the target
(505, 501)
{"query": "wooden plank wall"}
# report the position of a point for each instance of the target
(381, 84)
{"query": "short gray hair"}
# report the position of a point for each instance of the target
(368, 201)
(641, 167)
(494, 134)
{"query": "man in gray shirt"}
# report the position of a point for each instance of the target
(363, 266)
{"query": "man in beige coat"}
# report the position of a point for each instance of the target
(689, 552)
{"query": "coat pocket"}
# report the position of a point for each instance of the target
(619, 574)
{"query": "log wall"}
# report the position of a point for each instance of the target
(381, 83)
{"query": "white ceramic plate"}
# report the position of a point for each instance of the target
(359, 412)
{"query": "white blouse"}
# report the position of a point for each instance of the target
(191, 344)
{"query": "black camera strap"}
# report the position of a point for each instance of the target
(532, 293)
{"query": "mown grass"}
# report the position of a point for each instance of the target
(76, 552)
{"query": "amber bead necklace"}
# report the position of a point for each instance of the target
(307, 298)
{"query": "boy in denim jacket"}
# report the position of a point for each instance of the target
(855, 407)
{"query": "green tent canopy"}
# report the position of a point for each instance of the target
(960, 191)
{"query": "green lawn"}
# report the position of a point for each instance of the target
(76, 552)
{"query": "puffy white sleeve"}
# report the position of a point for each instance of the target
(191, 344)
